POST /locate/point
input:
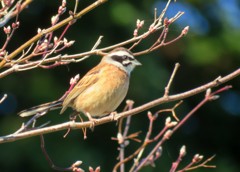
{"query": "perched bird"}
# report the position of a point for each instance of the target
(100, 91)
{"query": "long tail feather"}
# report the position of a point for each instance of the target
(40, 108)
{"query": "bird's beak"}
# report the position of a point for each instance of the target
(136, 63)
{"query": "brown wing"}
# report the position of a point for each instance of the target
(89, 79)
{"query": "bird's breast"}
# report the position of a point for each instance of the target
(106, 94)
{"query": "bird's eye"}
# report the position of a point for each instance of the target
(125, 57)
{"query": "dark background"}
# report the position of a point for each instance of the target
(210, 49)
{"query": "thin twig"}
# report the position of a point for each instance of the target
(156, 147)
(3, 98)
(172, 110)
(146, 141)
(177, 65)
(29, 122)
(175, 164)
(13, 13)
(73, 167)
(190, 166)
(122, 136)
(206, 99)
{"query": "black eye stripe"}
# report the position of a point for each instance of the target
(120, 59)
(117, 58)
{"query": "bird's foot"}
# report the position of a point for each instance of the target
(112, 115)
(93, 121)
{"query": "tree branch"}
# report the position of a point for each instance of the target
(79, 125)
(51, 29)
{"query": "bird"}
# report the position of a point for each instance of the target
(100, 91)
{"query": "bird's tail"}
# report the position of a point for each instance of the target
(41, 108)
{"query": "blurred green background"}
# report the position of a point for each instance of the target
(211, 48)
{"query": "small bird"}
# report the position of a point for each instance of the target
(100, 91)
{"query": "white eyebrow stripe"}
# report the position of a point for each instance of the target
(122, 53)
(126, 62)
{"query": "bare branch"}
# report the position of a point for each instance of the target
(73, 167)
(23, 64)
(175, 164)
(196, 159)
(177, 65)
(78, 125)
(51, 29)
